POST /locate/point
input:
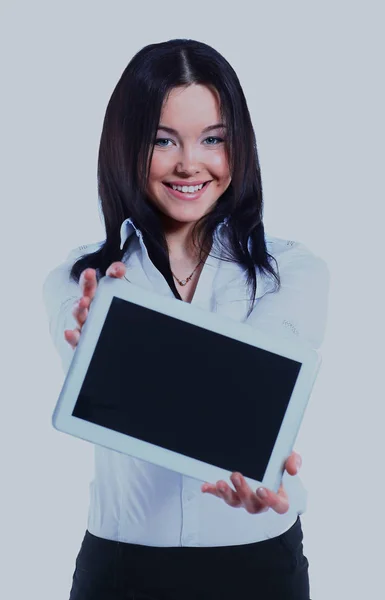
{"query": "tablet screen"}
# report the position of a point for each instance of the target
(188, 389)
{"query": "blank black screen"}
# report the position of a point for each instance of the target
(187, 389)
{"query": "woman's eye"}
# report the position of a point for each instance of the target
(214, 138)
(158, 141)
(161, 140)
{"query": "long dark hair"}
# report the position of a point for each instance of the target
(126, 146)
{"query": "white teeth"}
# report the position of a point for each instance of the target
(189, 189)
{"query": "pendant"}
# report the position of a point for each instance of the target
(183, 282)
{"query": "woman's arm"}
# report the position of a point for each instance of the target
(300, 307)
(59, 295)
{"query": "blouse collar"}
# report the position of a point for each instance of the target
(127, 228)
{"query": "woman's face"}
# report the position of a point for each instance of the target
(193, 153)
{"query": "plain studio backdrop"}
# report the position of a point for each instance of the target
(312, 74)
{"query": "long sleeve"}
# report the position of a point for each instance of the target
(59, 295)
(300, 307)
(117, 510)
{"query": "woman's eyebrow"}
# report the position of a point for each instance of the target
(209, 128)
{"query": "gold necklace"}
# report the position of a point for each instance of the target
(184, 281)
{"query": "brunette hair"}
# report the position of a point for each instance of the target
(126, 146)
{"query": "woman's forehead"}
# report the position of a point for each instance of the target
(191, 107)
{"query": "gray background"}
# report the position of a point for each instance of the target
(312, 73)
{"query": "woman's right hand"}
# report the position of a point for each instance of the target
(88, 285)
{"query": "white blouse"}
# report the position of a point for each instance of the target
(140, 503)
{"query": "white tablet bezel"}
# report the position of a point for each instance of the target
(295, 349)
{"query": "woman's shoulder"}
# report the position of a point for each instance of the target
(58, 278)
(80, 251)
(277, 246)
(291, 251)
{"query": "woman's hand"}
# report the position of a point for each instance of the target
(88, 285)
(259, 501)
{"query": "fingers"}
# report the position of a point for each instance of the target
(254, 503)
(80, 307)
(278, 502)
(293, 463)
(88, 285)
(72, 336)
(228, 495)
(116, 269)
(80, 310)
(242, 497)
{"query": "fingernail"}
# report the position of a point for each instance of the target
(222, 488)
(236, 480)
(298, 462)
(262, 493)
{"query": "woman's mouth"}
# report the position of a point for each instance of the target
(186, 195)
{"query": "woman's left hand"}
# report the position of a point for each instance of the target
(254, 502)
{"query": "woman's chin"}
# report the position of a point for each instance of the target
(181, 220)
(184, 217)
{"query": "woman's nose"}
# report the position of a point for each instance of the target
(188, 160)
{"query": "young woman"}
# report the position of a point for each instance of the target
(181, 196)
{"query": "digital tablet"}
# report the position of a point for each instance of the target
(186, 389)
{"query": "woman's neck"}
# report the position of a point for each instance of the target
(180, 244)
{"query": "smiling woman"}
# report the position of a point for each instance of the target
(188, 160)
(181, 195)
(192, 96)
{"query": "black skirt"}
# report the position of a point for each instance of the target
(269, 570)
